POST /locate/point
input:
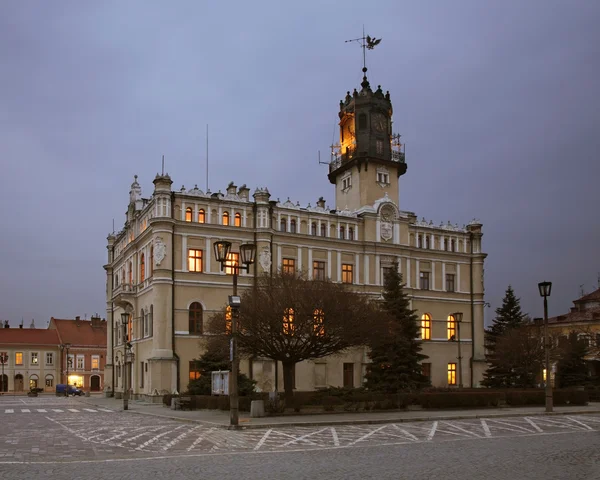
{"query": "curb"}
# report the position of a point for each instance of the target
(333, 423)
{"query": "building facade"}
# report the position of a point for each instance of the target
(83, 350)
(163, 281)
(31, 359)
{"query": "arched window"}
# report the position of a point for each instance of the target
(293, 226)
(151, 260)
(228, 319)
(144, 320)
(342, 231)
(420, 241)
(288, 322)
(188, 214)
(283, 225)
(238, 220)
(427, 242)
(451, 327)
(313, 228)
(151, 321)
(142, 268)
(33, 381)
(425, 327)
(49, 380)
(452, 245)
(319, 322)
(130, 327)
(130, 273)
(195, 319)
(445, 244)
(225, 218)
(350, 233)
(323, 230)
(201, 216)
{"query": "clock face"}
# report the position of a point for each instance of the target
(379, 122)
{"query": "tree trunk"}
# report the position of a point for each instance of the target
(288, 381)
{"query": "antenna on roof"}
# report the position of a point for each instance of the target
(163, 166)
(113, 226)
(581, 290)
(320, 162)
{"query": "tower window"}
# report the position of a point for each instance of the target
(188, 214)
(383, 178)
(346, 182)
(379, 147)
(362, 121)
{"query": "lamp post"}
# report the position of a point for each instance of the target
(65, 348)
(247, 253)
(458, 316)
(3, 359)
(124, 323)
(545, 289)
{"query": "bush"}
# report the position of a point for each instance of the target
(570, 397)
(459, 399)
(525, 397)
(167, 399)
(203, 385)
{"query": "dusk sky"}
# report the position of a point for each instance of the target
(498, 103)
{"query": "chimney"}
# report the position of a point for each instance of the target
(77, 318)
(96, 321)
(20, 325)
(6, 325)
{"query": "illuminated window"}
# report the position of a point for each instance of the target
(232, 263)
(313, 229)
(195, 319)
(425, 327)
(19, 358)
(225, 218)
(319, 320)
(188, 214)
(452, 374)
(292, 226)
(228, 319)
(142, 268)
(424, 278)
(201, 216)
(237, 220)
(289, 265)
(49, 380)
(319, 270)
(195, 371)
(194, 260)
(288, 321)
(34, 358)
(95, 362)
(347, 273)
(450, 282)
(451, 327)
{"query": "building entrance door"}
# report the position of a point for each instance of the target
(95, 383)
(18, 383)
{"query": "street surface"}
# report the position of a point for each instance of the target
(55, 437)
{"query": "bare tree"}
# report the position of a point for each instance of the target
(288, 318)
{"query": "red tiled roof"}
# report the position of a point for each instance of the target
(595, 295)
(80, 332)
(28, 336)
(588, 315)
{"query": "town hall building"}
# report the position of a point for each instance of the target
(163, 280)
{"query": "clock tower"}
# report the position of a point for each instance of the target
(369, 159)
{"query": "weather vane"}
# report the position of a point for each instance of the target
(366, 43)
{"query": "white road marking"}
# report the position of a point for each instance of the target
(261, 441)
(364, 437)
(486, 429)
(407, 433)
(175, 441)
(151, 430)
(58, 410)
(106, 410)
(580, 423)
(336, 440)
(304, 437)
(156, 437)
(515, 428)
(461, 429)
(561, 424)
(73, 410)
(432, 431)
(201, 437)
(104, 442)
(89, 410)
(9, 410)
(530, 421)
(25, 410)
(41, 410)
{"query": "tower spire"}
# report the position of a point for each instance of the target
(366, 43)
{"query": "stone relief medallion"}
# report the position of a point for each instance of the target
(386, 231)
(160, 250)
(264, 258)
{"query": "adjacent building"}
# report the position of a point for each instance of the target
(163, 281)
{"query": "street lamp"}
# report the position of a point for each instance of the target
(458, 316)
(65, 347)
(545, 289)
(247, 254)
(3, 360)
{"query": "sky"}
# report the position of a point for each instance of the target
(498, 103)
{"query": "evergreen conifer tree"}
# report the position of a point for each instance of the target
(571, 368)
(508, 317)
(396, 359)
